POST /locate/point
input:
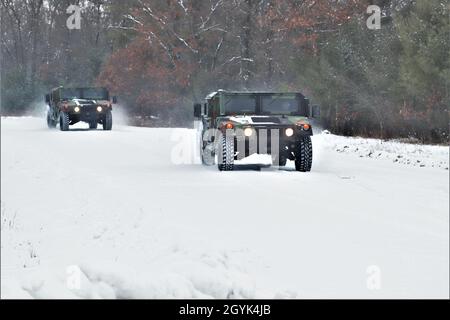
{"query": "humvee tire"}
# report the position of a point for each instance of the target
(107, 121)
(208, 155)
(225, 161)
(93, 125)
(303, 154)
(50, 122)
(64, 121)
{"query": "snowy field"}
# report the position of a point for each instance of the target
(127, 214)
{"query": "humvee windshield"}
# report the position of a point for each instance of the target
(270, 104)
(67, 94)
(95, 94)
(84, 93)
(238, 104)
(279, 104)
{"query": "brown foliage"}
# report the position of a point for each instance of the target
(184, 49)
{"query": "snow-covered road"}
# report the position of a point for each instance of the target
(124, 214)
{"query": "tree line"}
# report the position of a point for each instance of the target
(160, 56)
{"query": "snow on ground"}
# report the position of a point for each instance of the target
(397, 152)
(127, 214)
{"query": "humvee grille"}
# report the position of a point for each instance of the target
(91, 108)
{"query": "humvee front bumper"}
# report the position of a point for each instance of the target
(87, 113)
(267, 140)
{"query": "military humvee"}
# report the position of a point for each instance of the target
(68, 106)
(236, 125)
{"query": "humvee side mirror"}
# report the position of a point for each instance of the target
(47, 98)
(315, 111)
(114, 99)
(197, 110)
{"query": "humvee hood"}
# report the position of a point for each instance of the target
(256, 119)
(264, 119)
(82, 102)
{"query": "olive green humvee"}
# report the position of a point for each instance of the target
(236, 125)
(67, 106)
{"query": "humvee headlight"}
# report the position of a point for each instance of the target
(99, 109)
(248, 132)
(289, 132)
(76, 109)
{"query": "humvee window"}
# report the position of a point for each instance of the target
(96, 94)
(67, 94)
(280, 104)
(240, 104)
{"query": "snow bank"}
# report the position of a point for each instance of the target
(397, 152)
(175, 276)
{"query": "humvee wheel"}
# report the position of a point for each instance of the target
(303, 154)
(208, 155)
(107, 121)
(64, 121)
(93, 124)
(225, 161)
(50, 122)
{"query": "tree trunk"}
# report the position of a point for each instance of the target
(246, 39)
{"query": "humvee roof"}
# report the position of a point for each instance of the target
(221, 91)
